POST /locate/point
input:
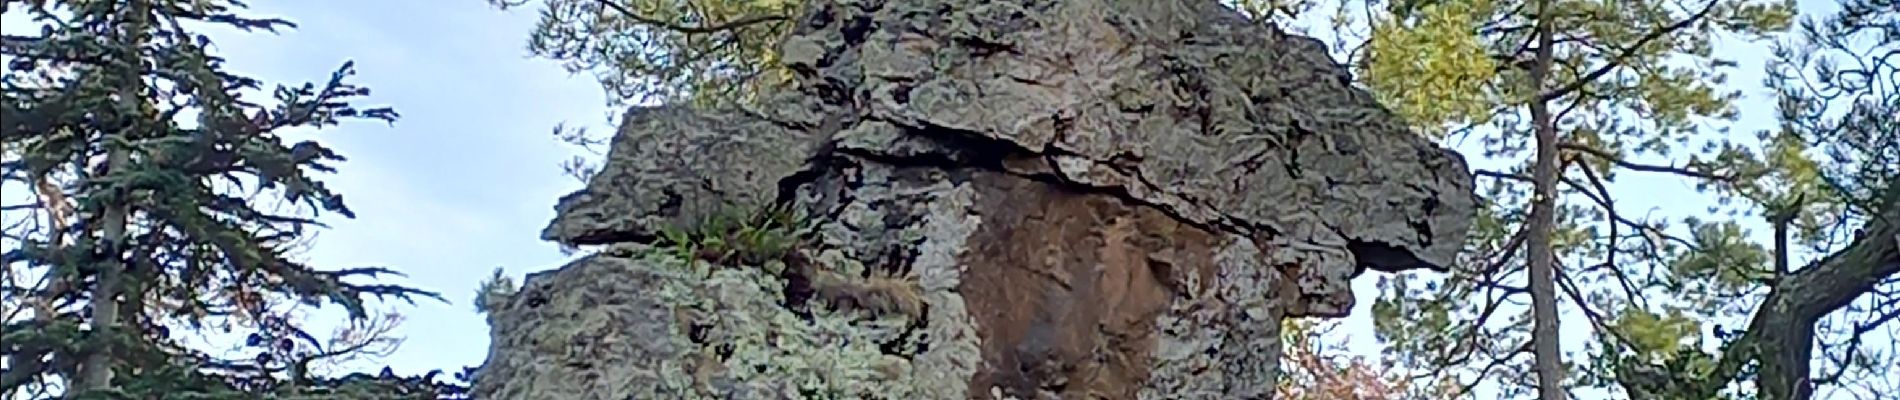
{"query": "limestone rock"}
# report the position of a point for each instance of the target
(1005, 199)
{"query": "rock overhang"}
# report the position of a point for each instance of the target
(1167, 170)
(1182, 105)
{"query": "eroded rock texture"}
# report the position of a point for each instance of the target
(1112, 199)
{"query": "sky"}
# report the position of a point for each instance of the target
(465, 181)
(1660, 196)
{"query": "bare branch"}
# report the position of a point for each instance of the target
(1620, 162)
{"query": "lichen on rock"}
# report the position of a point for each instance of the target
(637, 322)
(1006, 199)
(671, 166)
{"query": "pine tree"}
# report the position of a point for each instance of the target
(166, 203)
(1563, 96)
(703, 52)
(1830, 177)
(1629, 81)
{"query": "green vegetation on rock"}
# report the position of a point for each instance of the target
(735, 235)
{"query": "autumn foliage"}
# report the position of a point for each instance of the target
(1316, 365)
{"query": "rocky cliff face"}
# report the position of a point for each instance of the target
(1030, 199)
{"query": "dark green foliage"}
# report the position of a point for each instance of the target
(739, 236)
(705, 52)
(493, 291)
(167, 203)
(1838, 90)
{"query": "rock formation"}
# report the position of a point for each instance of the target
(1031, 199)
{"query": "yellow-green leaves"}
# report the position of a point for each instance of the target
(1633, 87)
(1657, 337)
(1758, 19)
(1271, 10)
(1433, 68)
(1723, 266)
(771, 4)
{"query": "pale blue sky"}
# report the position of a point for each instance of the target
(1638, 194)
(466, 180)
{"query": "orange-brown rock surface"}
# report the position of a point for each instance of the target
(1075, 199)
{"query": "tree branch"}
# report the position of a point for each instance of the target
(1853, 346)
(723, 26)
(1627, 52)
(1500, 175)
(1620, 162)
(1781, 334)
(1596, 319)
(1609, 256)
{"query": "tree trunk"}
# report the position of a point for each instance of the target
(1785, 368)
(1785, 360)
(1543, 284)
(1783, 328)
(1781, 334)
(95, 370)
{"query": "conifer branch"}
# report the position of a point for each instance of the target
(1628, 52)
(737, 23)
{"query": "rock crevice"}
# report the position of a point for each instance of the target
(1001, 199)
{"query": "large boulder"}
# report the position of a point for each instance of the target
(1001, 199)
